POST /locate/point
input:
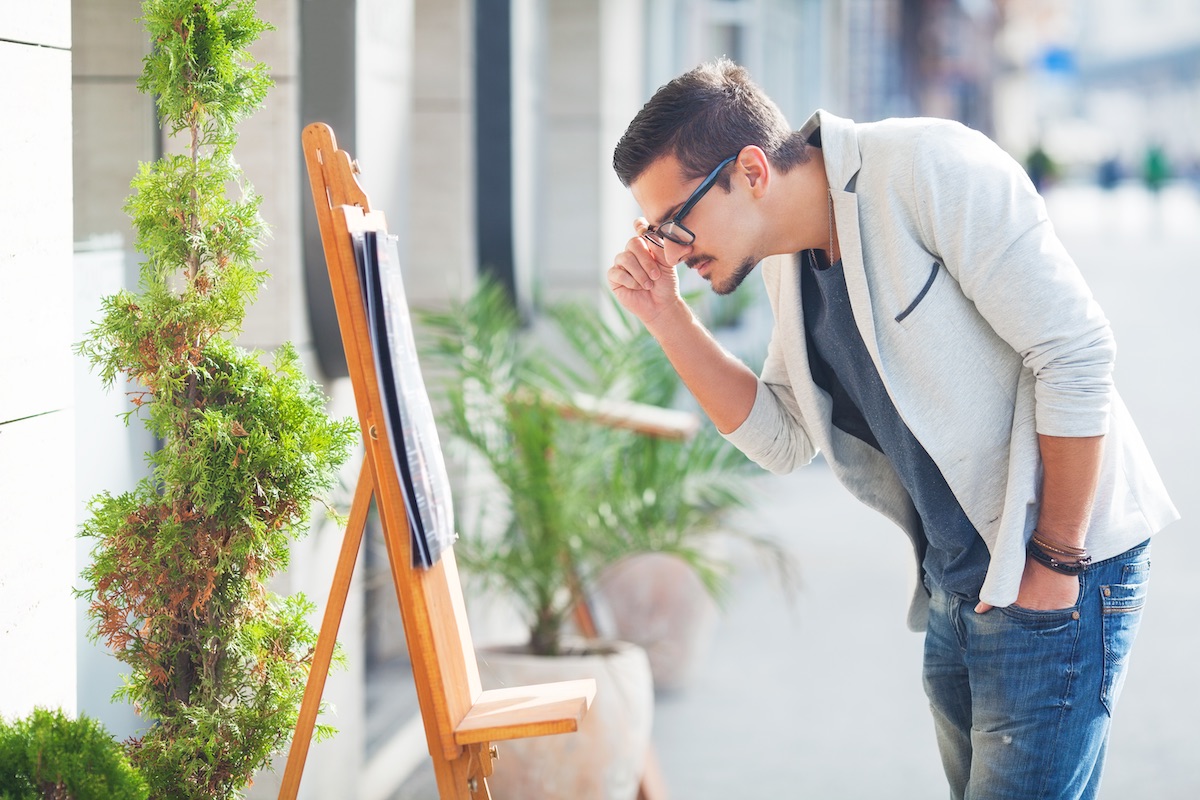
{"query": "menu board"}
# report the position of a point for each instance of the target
(410, 425)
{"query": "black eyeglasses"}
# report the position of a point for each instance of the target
(673, 229)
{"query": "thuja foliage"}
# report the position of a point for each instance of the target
(177, 584)
(49, 756)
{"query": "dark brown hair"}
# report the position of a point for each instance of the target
(702, 117)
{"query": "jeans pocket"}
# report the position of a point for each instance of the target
(1045, 623)
(1121, 614)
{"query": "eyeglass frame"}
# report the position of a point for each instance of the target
(655, 235)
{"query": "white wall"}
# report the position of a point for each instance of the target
(37, 426)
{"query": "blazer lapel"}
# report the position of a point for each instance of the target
(839, 149)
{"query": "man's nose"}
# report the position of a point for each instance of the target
(675, 252)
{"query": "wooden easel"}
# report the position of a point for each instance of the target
(461, 720)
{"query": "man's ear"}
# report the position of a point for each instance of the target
(752, 164)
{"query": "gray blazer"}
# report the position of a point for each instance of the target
(983, 332)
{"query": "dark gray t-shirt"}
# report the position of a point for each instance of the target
(955, 557)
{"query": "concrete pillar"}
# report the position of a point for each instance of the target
(441, 257)
(593, 86)
(37, 422)
(355, 68)
(360, 57)
(528, 60)
(115, 123)
(335, 767)
(383, 88)
(268, 151)
(108, 457)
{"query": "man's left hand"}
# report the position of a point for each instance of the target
(1042, 589)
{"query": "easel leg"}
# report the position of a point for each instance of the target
(327, 639)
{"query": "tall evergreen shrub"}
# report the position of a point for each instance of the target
(177, 588)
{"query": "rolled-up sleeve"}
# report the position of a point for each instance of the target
(773, 435)
(770, 436)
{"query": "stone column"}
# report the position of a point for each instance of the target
(441, 260)
(268, 151)
(115, 123)
(593, 85)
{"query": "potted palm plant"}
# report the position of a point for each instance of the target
(668, 506)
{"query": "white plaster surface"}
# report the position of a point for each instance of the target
(35, 231)
(46, 22)
(37, 637)
(37, 613)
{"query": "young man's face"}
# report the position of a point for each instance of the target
(705, 237)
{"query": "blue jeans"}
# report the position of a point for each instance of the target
(1022, 700)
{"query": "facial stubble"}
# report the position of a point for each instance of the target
(735, 279)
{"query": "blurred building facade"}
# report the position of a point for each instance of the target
(1139, 79)
(484, 129)
(1100, 83)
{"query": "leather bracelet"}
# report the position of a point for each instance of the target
(1063, 567)
(1051, 546)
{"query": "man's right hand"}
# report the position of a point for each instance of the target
(642, 284)
(648, 289)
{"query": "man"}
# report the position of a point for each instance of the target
(936, 343)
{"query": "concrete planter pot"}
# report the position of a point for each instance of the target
(605, 759)
(657, 601)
